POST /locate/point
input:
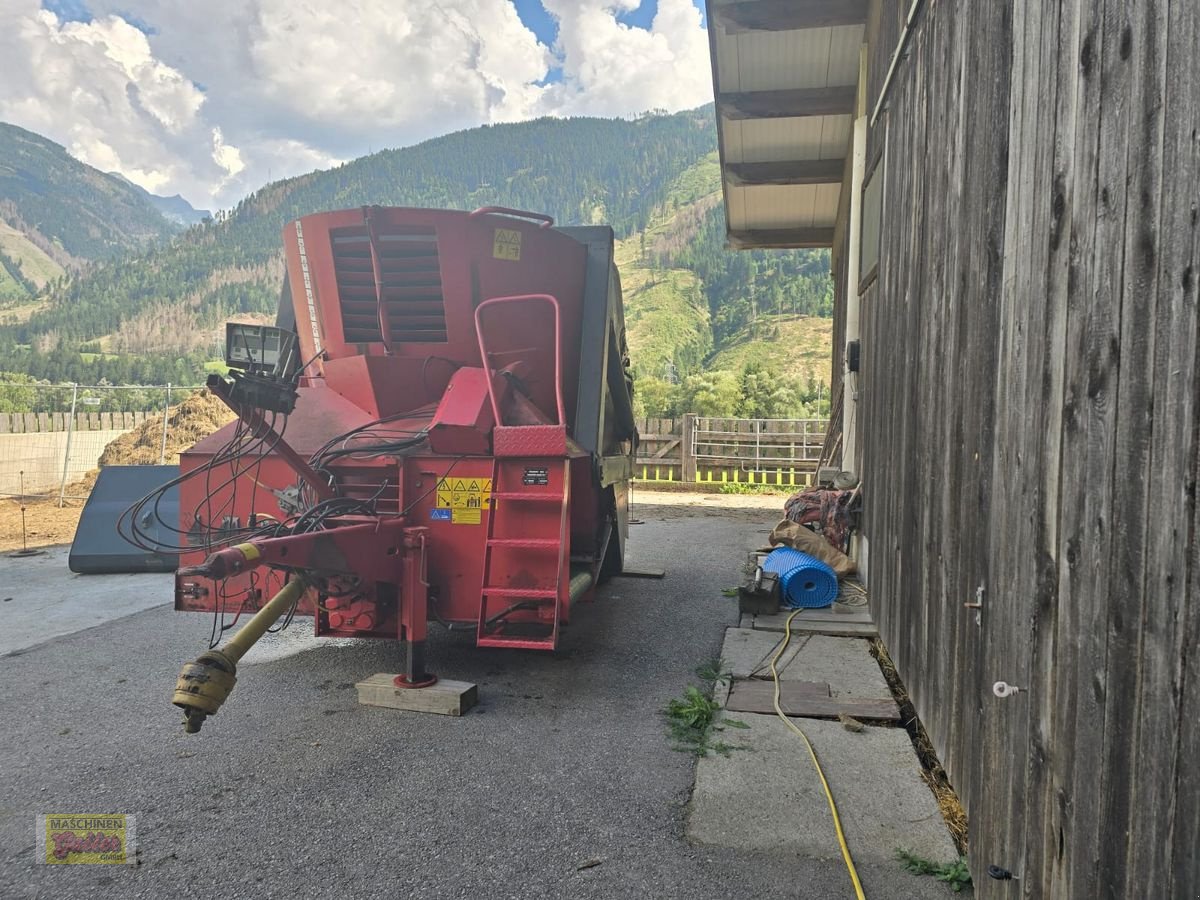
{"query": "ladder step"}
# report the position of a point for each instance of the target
(527, 496)
(517, 643)
(533, 593)
(526, 543)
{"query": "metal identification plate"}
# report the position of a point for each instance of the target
(539, 475)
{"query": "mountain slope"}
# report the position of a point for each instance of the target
(174, 208)
(68, 210)
(578, 170)
(702, 320)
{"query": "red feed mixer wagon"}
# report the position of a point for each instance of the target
(439, 428)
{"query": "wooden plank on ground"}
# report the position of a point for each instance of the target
(446, 698)
(805, 699)
(818, 621)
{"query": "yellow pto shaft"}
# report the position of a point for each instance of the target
(204, 684)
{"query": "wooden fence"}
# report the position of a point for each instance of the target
(31, 423)
(703, 450)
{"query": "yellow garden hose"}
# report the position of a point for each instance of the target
(837, 822)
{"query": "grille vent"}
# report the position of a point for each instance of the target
(415, 310)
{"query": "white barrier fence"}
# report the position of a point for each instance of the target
(52, 436)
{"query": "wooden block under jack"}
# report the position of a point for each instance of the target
(446, 698)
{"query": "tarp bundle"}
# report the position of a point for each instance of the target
(803, 580)
(790, 534)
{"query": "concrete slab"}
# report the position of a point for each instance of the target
(846, 663)
(40, 598)
(770, 800)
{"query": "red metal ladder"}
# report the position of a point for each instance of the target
(523, 531)
(530, 472)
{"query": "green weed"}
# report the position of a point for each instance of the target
(956, 874)
(692, 718)
(737, 487)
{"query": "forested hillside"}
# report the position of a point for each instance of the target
(722, 332)
(67, 210)
(155, 315)
(578, 170)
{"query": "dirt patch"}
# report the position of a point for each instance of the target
(191, 421)
(45, 522)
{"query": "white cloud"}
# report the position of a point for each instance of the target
(98, 89)
(372, 65)
(612, 69)
(222, 96)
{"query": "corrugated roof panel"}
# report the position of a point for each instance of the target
(775, 206)
(735, 208)
(773, 140)
(844, 43)
(835, 136)
(727, 61)
(774, 60)
(825, 208)
(806, 58)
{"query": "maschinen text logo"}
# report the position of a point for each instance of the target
(81, 838)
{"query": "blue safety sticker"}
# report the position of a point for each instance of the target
(440, 515)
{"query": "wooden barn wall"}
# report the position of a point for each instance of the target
(1029, 398)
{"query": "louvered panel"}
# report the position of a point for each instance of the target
(410, 283)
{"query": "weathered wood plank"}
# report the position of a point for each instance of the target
(1174, 571)
(1137, 660)
(805, 699)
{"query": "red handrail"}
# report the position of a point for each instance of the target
(546, 220)
(483, 354)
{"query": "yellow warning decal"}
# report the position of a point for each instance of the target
(466, 498)
(506, 244)
(248, 550)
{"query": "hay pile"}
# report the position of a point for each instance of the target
(192, 420)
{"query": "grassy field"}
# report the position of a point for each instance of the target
(35, 264)
(665, 311)
(804, 346)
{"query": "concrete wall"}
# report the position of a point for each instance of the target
(40, 456)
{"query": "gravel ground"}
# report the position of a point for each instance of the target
(295, 790)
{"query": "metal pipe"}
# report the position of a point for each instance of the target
(162, 454)
(62, 489)
(900, 45)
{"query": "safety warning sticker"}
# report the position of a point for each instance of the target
(506, 244)
(462, 500)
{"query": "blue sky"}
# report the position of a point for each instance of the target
(209, 98)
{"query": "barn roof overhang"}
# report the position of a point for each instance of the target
(786, 84)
